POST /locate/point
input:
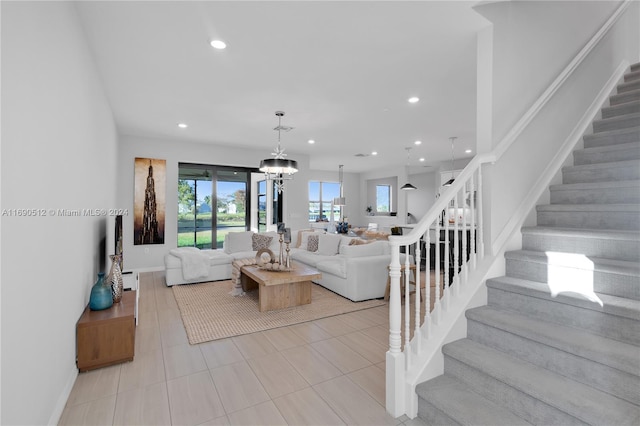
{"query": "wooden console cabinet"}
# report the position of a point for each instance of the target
(107, 337)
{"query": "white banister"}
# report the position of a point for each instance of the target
(463, 259)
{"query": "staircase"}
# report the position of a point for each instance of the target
(559, 340)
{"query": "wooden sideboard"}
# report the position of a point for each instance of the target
(107, 337)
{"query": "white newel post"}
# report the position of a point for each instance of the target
(395, 359)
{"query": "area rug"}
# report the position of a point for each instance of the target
(209, 312)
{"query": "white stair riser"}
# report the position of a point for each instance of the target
(611, 326)
(600, 376)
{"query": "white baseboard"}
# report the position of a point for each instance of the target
(63, 398)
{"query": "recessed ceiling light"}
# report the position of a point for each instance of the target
(218, 44)
(413, 99)
(468, 151)
(418, 142)
(421, 158)
(311, 141)
(374, 152)
(182, 125)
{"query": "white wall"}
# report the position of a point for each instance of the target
(177, 151)
(533, 42)
(58, 152)
(421, 200)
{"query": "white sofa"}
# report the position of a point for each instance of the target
(236, 246)
(357, 272)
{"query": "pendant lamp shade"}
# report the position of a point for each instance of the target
(279, 168)
(340, 201)
(450, 181)
(408, 186)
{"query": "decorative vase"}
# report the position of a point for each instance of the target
(114, 279)
(101, 297)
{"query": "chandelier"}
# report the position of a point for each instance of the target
(279, 169)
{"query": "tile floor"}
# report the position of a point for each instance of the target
(325, 372)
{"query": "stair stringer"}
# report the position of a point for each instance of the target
(451, 323)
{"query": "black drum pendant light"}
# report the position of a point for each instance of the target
(279, 168)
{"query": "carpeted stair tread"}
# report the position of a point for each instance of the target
(607, 153)
(619, 122)
(633, 75)
(596, 185)
(614, 192)
(603, 216)
(629, 107)
(612, 137)
(614, 266)
(575, 399)
(604, 234)
(612, 305)
(610, 208)
(602, 172)
(465, 407)
(596, 166)
(624, 97)
(628, 86)
(609, 243)
(620, 355)
(609, 276)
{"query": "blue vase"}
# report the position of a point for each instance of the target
(101, 297)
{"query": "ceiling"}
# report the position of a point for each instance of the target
(341, 70)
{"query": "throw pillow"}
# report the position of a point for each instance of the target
(328, 244)
(312, 242)
(259, 241)
(299, 242)
(238, 241)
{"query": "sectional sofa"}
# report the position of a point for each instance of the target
(355, 271)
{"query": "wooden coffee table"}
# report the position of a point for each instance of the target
(279, 290)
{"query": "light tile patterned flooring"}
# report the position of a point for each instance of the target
(325, 372)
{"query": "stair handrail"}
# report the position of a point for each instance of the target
(398, 360)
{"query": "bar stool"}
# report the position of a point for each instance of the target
(412, 270)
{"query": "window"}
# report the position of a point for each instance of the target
(383, 198)
(321, 195)
(212, 201)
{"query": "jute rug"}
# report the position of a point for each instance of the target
(209, 312)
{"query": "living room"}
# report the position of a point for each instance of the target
(63, 148)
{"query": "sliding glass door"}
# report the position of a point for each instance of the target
(212, 201)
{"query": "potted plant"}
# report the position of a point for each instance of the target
(369, 210)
